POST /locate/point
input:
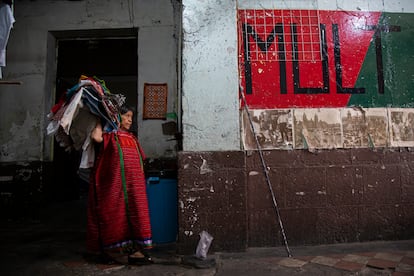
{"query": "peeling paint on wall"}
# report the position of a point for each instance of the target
(210, 80)
(20, 137)
(191, 199)
(204, 168)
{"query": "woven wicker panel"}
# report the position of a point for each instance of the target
(155, 101)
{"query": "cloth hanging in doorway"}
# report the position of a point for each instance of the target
(6, 24)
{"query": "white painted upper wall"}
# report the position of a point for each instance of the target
(24, 107)
(210, 80)
(406, 6)
(210, 101)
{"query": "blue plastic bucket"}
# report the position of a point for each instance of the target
(162, 201)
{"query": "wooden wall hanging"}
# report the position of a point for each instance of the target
(155, 101)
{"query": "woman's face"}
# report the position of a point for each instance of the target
(126, 120)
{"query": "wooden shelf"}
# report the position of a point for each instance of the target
(10, 82)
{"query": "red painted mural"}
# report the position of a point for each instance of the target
(298, 58)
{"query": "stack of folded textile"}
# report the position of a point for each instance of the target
(78, 111)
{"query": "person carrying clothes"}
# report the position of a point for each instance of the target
(118, 214)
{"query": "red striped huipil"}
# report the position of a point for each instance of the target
(116, 217)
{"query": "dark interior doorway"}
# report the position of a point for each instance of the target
(111, 59)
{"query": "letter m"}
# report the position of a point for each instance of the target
(249, 33)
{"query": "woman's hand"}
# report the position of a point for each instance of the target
(96, 134)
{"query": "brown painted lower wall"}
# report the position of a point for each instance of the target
(329, 196)
(324, 197)
(212, 197)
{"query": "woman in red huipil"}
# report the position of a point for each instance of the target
(118, 215)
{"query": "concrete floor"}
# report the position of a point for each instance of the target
(53, 244)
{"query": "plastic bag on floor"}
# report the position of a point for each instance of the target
(203, 245)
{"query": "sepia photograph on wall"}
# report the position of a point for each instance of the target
(362, 128)
(327, 128)
(317, 128)
(401, 121)
(273, 129)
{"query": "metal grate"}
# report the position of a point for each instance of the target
(282, 33)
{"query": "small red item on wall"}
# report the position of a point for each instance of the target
(155, 101)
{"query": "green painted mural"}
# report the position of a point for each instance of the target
(395, 37)
(359, 92)
(322, 59)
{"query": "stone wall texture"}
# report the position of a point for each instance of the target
(324, 197)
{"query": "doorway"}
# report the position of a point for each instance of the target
(110, 58)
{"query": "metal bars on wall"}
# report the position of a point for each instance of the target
(282, 32)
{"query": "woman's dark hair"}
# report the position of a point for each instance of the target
(124, 109)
